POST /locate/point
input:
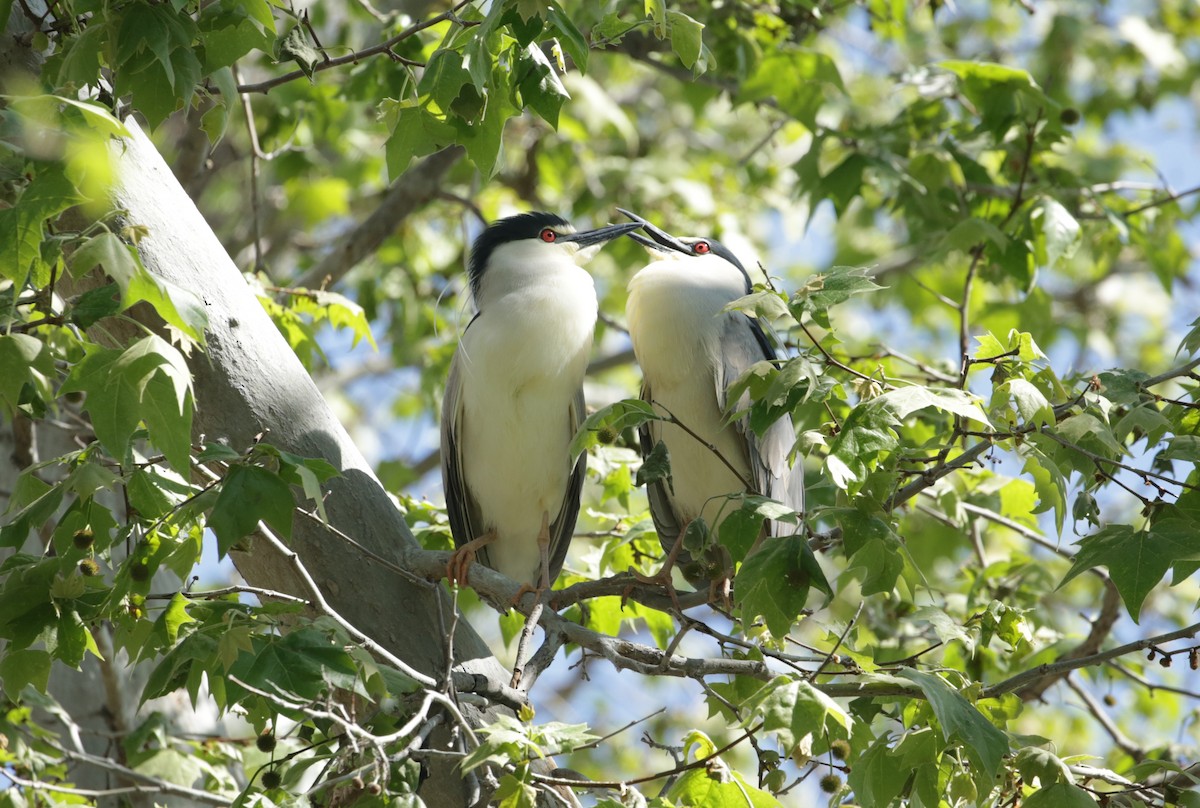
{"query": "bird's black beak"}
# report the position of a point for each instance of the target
(658, 239)
(600, 235)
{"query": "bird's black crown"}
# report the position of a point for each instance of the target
(513, 228)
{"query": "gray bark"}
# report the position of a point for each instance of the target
(249, 382)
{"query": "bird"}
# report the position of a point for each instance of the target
(691, 350)
(514, 398)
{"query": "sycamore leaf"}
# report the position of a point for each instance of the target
(49, 194)
(907, 400)
(1060, 234)
(298, 46)
(1034, 762)
(1032, 408)
(19, 668)
(822, 292)
(793, 708)
(1060, 795)
(23, 359)
(656, 466)
(1137, 559)
(774, 582)
(686, 37)
(605, 424)
(569, 36)
(866, 432)
(717, 786)
(250, 494)
(177, 306)
(962, 722)
(301, 664)
(798, 79)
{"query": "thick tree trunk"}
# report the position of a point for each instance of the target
(249, 382)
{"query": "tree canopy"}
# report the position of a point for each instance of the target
(969, 228)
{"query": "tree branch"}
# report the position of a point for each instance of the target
(412, 190)
(1069, 664)
(356, 56)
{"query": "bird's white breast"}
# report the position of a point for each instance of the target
(673, 311)
(523, 362)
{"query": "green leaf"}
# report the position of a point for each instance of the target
(148, 380)
(96, 304)
(792, 709)
(483, 137)
(570, 36)
(178, 307)
(907, 400)
(740, 529)
(1032, 408)
(1050, 484)
(1136, 559)
(655, 466)
(969, 233)
(24, 359)
(797, 79)
(686, 37)
(1060, 795)
(49, 194)
(168, 417)
(24, 667)
(1043, 765)
(865, 433)
(74, 639)
(878, 775)
(1018, 343)
(113, 398)
(716, 786)
(1090, 433)
(961, 721)
(173, 617)
(297, 46)
(1059, 232)
(656, 10)
(444, 78)
(302, 664)
(156, 62)
(822, 292)
(415, 133)
(231, 30)
(1002, 95)
(514, 793)
(774, 582)
(606, 423)
(541, 89)
(250, 494)
(505, 739)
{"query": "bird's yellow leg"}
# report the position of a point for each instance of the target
(543, 541)
(663, 576)
(462, 559)
(536, 612)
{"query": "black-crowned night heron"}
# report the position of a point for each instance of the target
(690, 350)
(514, 398)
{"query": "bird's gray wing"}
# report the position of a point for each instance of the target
(466, 521)
(745, 341)
(562, 529)
(662, 511)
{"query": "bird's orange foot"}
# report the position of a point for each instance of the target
(661, 578)
(524, 590)
(459, 566)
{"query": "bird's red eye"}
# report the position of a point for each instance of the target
(548, 235)
(701, 248)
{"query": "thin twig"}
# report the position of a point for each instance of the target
(1033, 674)
(354, 58)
